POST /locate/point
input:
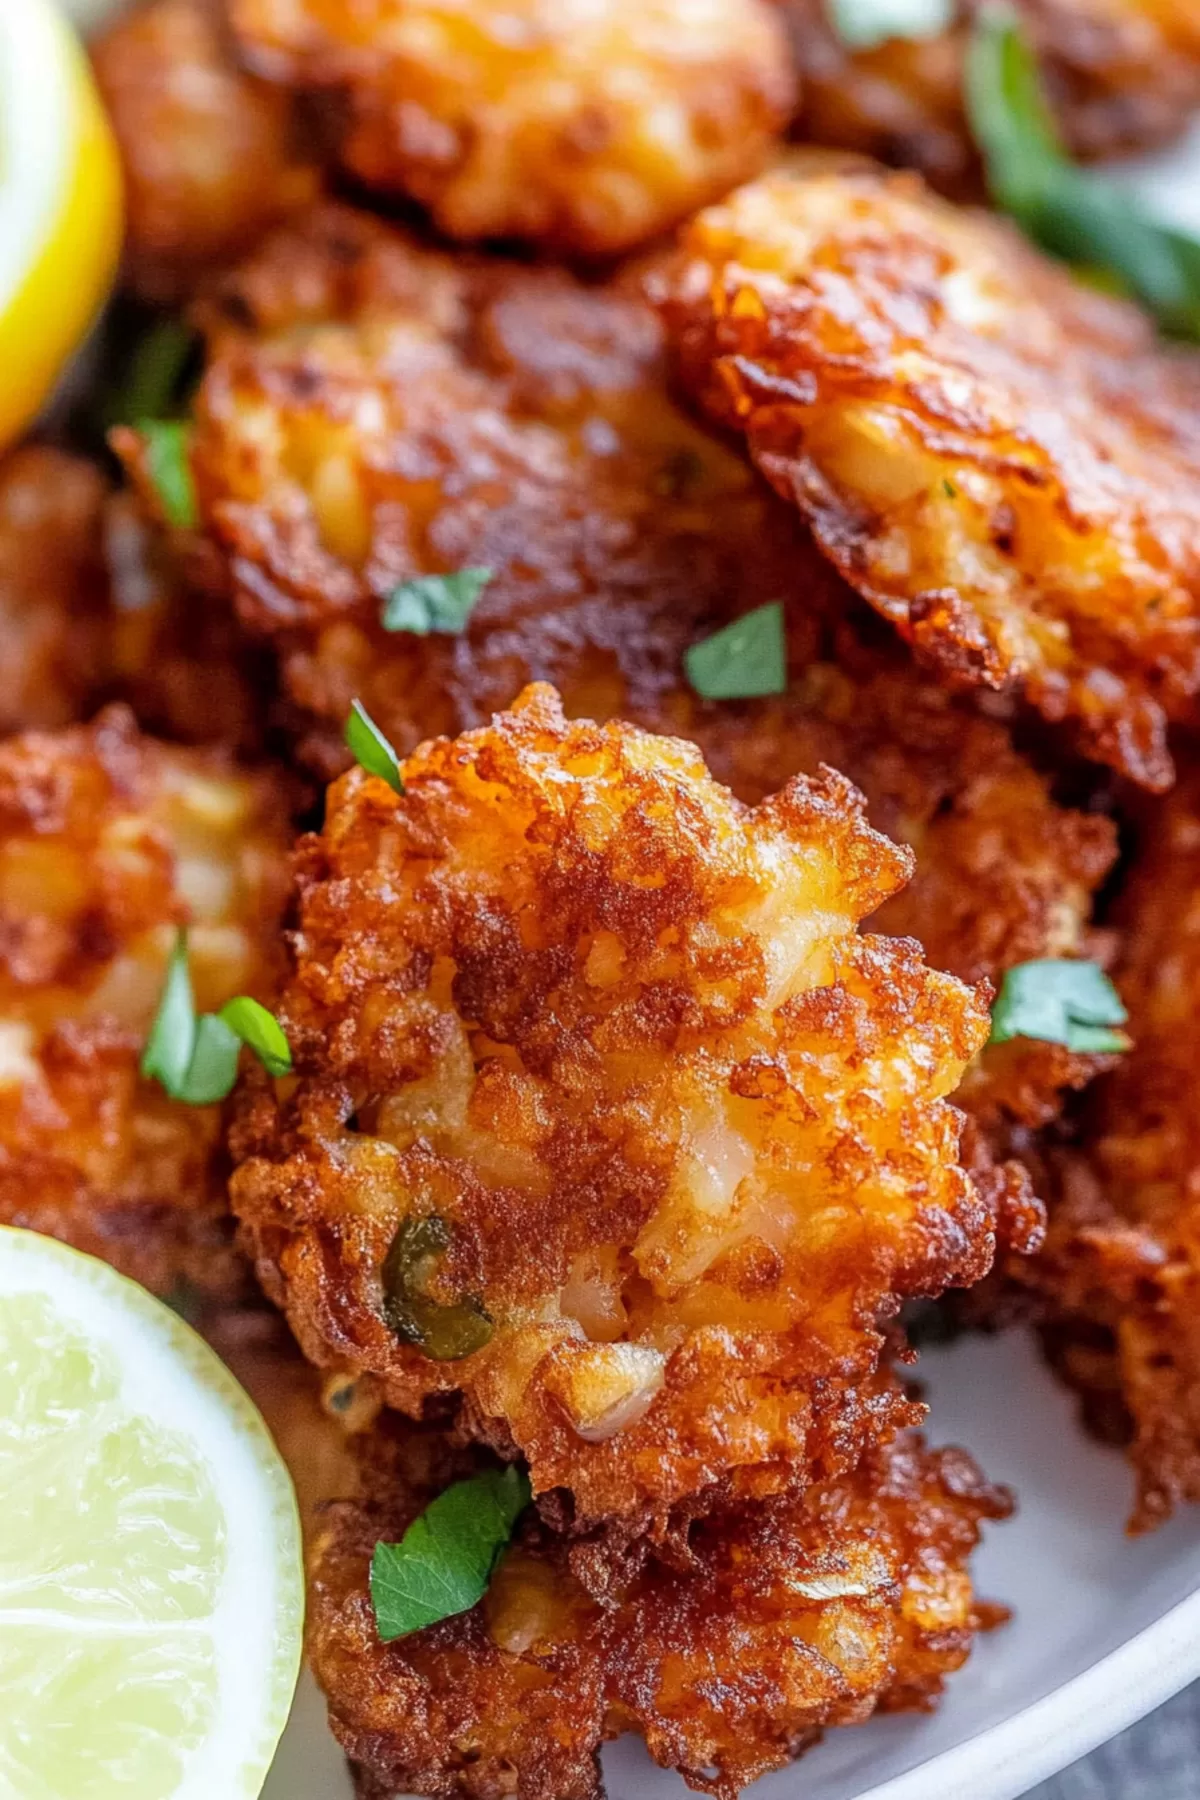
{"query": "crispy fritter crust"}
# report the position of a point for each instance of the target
(1121, 75)
(1004, 463)
(1119, 1280)
(681, 1128)
(108, 841)
(211, 156)
(53, 588)
(581, 127)
(816, 1611)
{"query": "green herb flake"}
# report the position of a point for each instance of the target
(194, 1057)
(445, 1560)
(214, 1065)
(167, 443)
(1059, 1000)
(154, 384)
(168, 1052)
(441, 603)
(743, 660)
(865, 24)
(370, 749)
(1074, 214)
(260, 1031)
(949, 489)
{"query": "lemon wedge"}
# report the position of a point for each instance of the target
(151, 1591)
(60, 204)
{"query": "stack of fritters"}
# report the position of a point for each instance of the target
(640, 1036)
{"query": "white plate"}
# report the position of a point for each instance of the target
(1104, 1628)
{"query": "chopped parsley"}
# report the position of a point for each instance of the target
(865, 24)
(370, 749)
(194, 1057)
(1079, 216)
(743, 660)
(1060, 1000)
(445, 1560)
(441, 603)
(155, 380)
(167, 443)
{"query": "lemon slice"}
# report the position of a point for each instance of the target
(151, 1591)
(60, 204)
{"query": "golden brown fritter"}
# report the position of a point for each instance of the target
(374, 411)
(588, 128)
(1119, 1279)
(108, 842)
(815, 1611)
(1004, 463)
(1121, 75)
(53, 588)
(211, 156)
(608, 1119)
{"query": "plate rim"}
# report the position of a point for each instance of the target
(1005, 1760)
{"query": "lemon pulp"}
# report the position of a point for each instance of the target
(150, 1579)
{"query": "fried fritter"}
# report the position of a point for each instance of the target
(1006, 464)
(581, 126)
(1120, 75)
(374, 411)
(816, 1611)
(1119, 1279)
(108, 842)
(211, 156)
(54, 620)
(607, 1118)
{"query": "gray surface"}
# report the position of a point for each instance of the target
(1159, 1759)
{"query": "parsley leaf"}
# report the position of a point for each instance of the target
(444, 1561)
(154, 382)
(194, 1057)
(166, 444)
(865, 24)
(1072, 213)
(1060, 1001)
(434, 602)
(742, 660)
(260, 1031)
(370, 749)
(172, 1038)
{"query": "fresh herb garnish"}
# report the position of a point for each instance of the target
(1060, 1001)
(194, 1057)
(865, 24)
(155, 379)
(444, 1561)
(167, 442)
(441, 603)
(370, 749)
(743, 660)
(1076, 215)
(260, 1031)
